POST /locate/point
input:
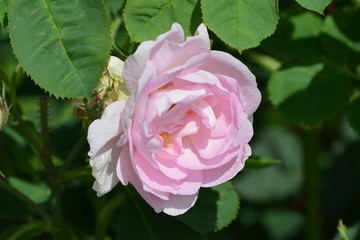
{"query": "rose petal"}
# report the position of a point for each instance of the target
(223, 63)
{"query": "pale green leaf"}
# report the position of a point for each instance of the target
(216, 208)
(315, 5)
(241, 23)
(309, 94)
(38, 193)
(63, 45)
(2, 11)
(145, 20)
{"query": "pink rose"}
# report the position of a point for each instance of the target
(185, 125)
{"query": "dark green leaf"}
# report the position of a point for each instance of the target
(315, 5)
(145, 20)
(275, 183)
(26, 231)
(64, 47)
(309, 94)
(295, 37)
(241, 23)
(260, 162)
(138, 221)
(216, 208)
(354, 115)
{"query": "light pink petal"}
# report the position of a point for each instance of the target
(216, 176)
(155, 179)
(210, 147)
(222, 63)
(176, 205)
(103, 130)
(136, 63)
(169, 54)
(104, 168)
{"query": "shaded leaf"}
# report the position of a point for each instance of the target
(354, 115)
(260, 162)
(309, 94)
(64, 47)
(145, 20)
(241, 23)
(315, 5)
(216, 208)
(295, 37)
(275, 183)
(136, 220)
(26, 231)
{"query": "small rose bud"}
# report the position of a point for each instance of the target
(110, 88)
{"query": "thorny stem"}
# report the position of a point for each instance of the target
(45, 156)
(34, 207)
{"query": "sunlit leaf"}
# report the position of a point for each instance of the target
(315, 5)
(145, 20)
(64, 47)
(241, 23)
(216, 208)
(2, 11)
(38, 193)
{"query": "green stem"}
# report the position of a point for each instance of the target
(312, 185)
(33, 206)
(45, 156)
(72, 154)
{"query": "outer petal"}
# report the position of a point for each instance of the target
(177, 204)
(136, 63)
(222, 63)
(103, 130)
(102, 137)
(216, 176)
(104, 168)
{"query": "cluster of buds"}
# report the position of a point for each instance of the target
(110, 88)
(4, 109)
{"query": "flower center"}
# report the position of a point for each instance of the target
(167, 139)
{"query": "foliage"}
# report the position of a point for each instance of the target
(306, 57)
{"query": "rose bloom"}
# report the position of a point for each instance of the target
(185, 125)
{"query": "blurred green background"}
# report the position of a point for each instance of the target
(319, 152)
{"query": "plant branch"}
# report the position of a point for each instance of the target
(33, 206)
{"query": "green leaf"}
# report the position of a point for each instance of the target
(315, 5)
(64, 47)
(295, 37)
(273, 184)
(2, 12)
(309, 94)
(215, 209)
(136, 220)
(354, 115)
(339, 41)
(145, 20)
(347, 233)
(38, 193)
(260, 162)
(241, 23)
